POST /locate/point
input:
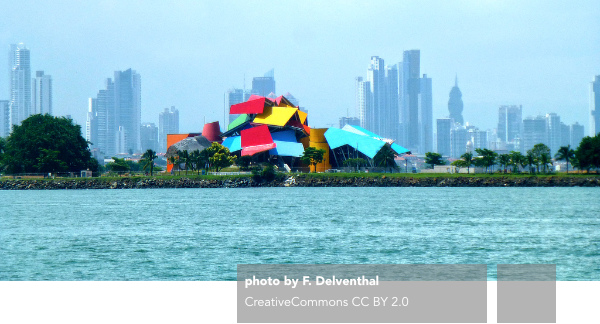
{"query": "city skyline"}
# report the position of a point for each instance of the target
(543, 61)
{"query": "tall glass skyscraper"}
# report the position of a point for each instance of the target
(455, 103)
(20, 83)
(41, 93)
(595, 106)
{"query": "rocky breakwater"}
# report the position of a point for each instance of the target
(304, 181)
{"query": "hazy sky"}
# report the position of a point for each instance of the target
(541, 54)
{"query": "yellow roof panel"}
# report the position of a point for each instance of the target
(302, 116)
(277, 116)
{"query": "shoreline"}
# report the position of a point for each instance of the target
(303, 181)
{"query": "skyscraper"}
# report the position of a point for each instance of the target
(510, 123)
(4, 118)
(455, 103)
(553, 132)
(264, 85)
(392, 114)
(595, 106)
(149, 137)
(168, 123)
(128, 108)
(41, 93)
(114, 116)
(534, 132)
(376, 79)
(20, 83)
(577, 134)
(411, 71)
(425, 115)
(444, 127)
(232, 97)
(364, 104)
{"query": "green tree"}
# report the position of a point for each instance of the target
(33, 145)
(503, 160)
(516, 159)
(385, 158)
(434, 159)
(531, 161)
(243, 162)
(541, 155)
(588, 152)
(565, 153)
(2, 148)
(118, 165)
(218, 156)
(487, 158)
(467, 159)
(148, 157)
(173, 159)
(312, 156)
(184, 157)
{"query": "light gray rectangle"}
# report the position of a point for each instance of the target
(526, 293)
(460, 301)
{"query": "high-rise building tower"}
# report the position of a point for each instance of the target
(264, 85)
(168, 123)
(101, 122)
(4, 118)
(444, 129)
(455, 103)
(232, 97)
(364, 103)
(41, 93)
(553, 132)
(577, 134)
(128, 108)
(411, 72)
(425, 115)
(392, 115)
(510, 123)
(595, 106)
(20, 83)
(149, 137)
(376, 78)
(534, 132)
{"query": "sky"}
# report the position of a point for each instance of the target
(539, 54)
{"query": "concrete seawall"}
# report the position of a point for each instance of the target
(304, 181)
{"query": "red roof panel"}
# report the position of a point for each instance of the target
(255, 106)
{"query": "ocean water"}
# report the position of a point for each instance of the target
(202, 234)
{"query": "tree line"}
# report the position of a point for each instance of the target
(537, 160)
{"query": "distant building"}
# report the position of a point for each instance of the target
(478, 138)
(41, 93)
(20, 83)
(114, 116)
(459, 140)
(510, 123)
(364, 103)
(232, 97)
(168, 123)
(444, 128)
(4, 118)
(595, 106)
(553, 132)
(455, 103)
(534, 132)
(349, 121)
(149, 137)
(292, 99)
(565, 134)
(426, 115)
(577, 134)
(376, 79)
(264, 85)
(392, 113)
(410, 89)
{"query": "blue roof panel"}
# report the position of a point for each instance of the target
(399, 149)
(367, 145)
(285, 148)
(233, 143)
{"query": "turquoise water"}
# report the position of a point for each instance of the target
(202, 234)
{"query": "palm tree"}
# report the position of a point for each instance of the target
(184, 157)
(531, 161)
(149, 156)
(385, 158)
(565, 153)
(545, 159)
(516, 159)
(172, 159)
(503, 160)
(467, 160)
